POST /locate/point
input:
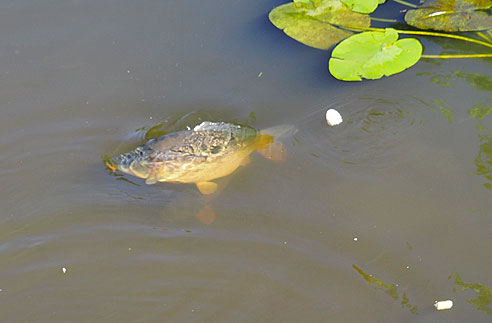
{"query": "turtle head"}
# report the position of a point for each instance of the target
(137, 162)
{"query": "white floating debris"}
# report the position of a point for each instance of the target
(355, 238)
(443, 305)
(333, 117)
(64, 270)
(438, 13)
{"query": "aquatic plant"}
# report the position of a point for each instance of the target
(373, 54)
(483, 300)
(377, 52)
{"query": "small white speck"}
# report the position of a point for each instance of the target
(356, 239)
(192, 310)
(64, 270)
(128, 71)
(408, 267)
(285, 242)
(129, 249)
(150, 118)
(1, 290)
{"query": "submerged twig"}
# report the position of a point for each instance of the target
(383, 19)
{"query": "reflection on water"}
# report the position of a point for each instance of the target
(206, 215)
(480, 111)
(444, 108)
(483, 161)
(483, 300)
(391, 290)
(439, 106)
(479, 81)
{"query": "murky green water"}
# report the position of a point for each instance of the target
(371, 221)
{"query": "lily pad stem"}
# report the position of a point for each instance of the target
(422, 33)
(428, 33)
(484, 36)
(457, 56)
(383, 19)
(406, 3)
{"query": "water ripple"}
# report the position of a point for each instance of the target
(374, 126)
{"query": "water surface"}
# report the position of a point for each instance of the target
(372, 220)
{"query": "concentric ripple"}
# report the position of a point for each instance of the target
(373, 126)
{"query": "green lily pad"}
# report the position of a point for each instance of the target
(451, 15)
(362, 6)
(314, 23)
(373, 54)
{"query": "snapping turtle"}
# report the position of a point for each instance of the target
(208, 151)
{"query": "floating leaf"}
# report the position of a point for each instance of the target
(451, 15)
(362, 6)
(314, 23)
(373, 54)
